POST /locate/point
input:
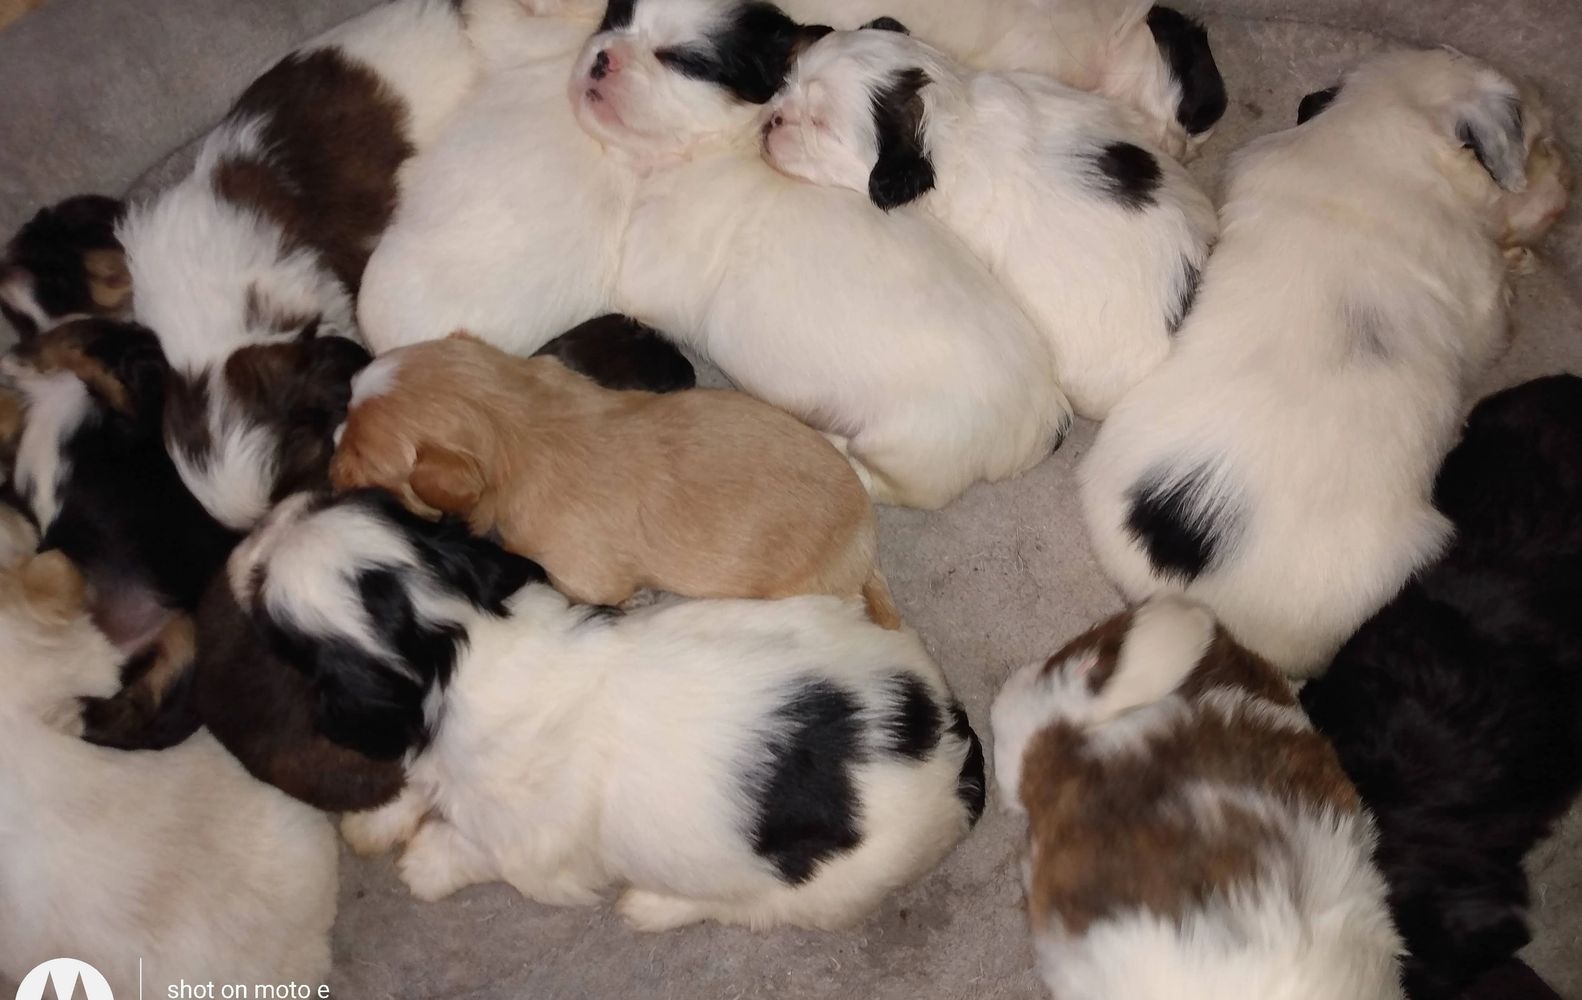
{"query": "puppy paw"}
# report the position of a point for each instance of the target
(652, 911)
(376, 831)
(1520, 260)
(437, 862)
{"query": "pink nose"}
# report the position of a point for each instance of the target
(603, 65)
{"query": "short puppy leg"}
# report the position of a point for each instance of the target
(656, 911)
(378, 830)
(440, 859)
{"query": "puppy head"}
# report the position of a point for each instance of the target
(662, 76)
(373, 604)
(1490, 138)
(65, 262)
(854, 113)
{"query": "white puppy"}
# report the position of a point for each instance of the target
(751, 762)
(1278, 465)
(264, 244)
(1191, 837)
(1150, 58)
(178, 858)
(1100, 238)
(881, 331)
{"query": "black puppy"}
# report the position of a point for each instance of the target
(65, 262)
(1457, 710)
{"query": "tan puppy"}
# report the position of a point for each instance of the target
(704, 493)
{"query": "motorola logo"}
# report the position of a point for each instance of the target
(64, 979)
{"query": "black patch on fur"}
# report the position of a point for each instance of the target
(903, 172)
(749, 56)
(1128, 173)
(807, 805)
(50, 248)
(971, 786)
(1314, 104)
(1183, 530)
(1191, 278)
(886, 24)
(131, 720)
(621, 353)
(1457, 709)
(912, 721)
(1184, 44)
(617, 14)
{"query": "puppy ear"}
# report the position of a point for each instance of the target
(886, 24)
(1183, 44)
(53, 589)
(903, 172)
(1492, 127)
(448, 481)
(806, 35)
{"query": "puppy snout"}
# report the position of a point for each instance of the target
(602, 66)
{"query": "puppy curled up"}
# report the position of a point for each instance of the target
(1191, 836)
(703, 493)
(750, 762)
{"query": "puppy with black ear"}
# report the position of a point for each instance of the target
(65, 263)
(1099, 236)
(1455, 709)
(1154, 60)
(1278, 465)
(751, 762)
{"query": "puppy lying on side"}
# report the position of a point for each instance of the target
(706, 493)
(247, 269)
(178, 858)
(1152, 59)
(880, 330)
(1456, 708)
(1100, 239)
(1191, 835)
(751, 762)
(1277, 466)
(65, 263)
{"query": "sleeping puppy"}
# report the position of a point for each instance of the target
(1100, 239)
(704, 493)
(262, 248)
(65, 263)
(1191, 836)
(1278, 465)
(750, 762)
(1151, 59)
(881, 331)
(179, 858)
(1455, 708)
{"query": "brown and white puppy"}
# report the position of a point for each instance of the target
(65, 263)
(1191, 835)
(704, 493)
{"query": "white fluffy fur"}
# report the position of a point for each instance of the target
(1313, 924)
(198, 261)
(572, 755)
(1103, 46)
(176, 857)
(57, 405)
(881, 331)
(1014, 158)
(1357, 291)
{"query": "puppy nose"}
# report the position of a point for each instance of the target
(772, 123)
(601, 66)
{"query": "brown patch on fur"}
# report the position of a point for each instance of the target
(335, 138)
(109, 280)
(150, 710)
(53, 589)
(1117, 831)
(704, 493)
(60, 351)
(12, 408)
(187, 416)
(262, 709)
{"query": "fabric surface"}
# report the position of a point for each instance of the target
(94, 92)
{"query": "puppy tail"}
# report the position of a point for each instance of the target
(881, 606)
(1167, 639)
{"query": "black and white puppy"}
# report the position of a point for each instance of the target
(65, 263)
(1153, 60)
(1278, 465)
(752, 762)
(269, 235)
(1457, 710)
(1100, 237)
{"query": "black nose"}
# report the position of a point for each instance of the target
(601, 66)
